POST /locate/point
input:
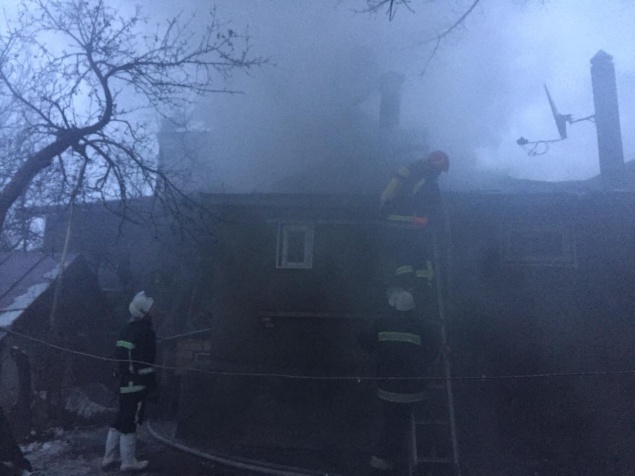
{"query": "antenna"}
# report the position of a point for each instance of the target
(561, 121)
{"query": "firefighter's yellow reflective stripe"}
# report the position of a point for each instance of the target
(146, 370)
(125, 344)
(426, 273)
(407, 337)
(418, 185)
(407, 218)
(130, 346)
(381, 463)
(130, 388)
(400, 397)
(414, 220)
(391, 190)
(405, 269)
(403, 172)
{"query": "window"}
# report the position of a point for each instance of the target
(295, 246)
(545, 245)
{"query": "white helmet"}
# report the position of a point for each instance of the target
(140, 305)
(392, 294)
(404, 301)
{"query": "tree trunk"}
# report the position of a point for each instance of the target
(33, 166)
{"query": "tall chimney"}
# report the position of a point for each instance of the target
(607, 120)
(390, 105)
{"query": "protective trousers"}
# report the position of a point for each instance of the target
(391, 453)
(131, 412)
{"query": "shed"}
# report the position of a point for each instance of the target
(46, 305)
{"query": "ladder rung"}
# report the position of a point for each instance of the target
(425, 459)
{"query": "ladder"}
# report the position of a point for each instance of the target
(432, 443)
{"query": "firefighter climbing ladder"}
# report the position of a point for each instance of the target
(430, 423)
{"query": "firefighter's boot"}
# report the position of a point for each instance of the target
(380, 467)
(128, 448)
(112, 448)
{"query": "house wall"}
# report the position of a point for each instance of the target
(121, 253)
(506, 317)
(293, 322)
(150, 251)
(521, 318)
(342, 287)
(562, 314)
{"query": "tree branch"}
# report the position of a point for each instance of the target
(64, 103)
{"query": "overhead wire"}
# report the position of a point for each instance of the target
(358, 378)
(24, 275)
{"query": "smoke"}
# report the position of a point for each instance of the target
(318, 98)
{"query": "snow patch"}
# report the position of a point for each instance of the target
(22, 302)
(52, 274)
(49, 448)
(80, 404)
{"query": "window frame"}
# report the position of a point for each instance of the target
(568, 257)
(283, 243)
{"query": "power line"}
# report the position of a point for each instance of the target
(26, 273)
(325, 377)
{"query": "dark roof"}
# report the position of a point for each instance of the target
(489, 182)
(295, 206)
(24, 276)
(363, 176)
(337, 176)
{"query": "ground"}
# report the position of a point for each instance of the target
(78, 452)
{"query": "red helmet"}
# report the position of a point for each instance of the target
(439, 161)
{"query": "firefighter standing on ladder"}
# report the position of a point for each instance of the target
(135, 351)
(405, 349)
(410, 201)
(414, 189)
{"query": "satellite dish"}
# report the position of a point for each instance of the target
(540, 147)
(561, 119)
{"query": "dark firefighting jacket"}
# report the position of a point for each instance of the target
(136, 352)
(405, 349)
(414, 189)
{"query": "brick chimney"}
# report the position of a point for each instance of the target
(607, 120)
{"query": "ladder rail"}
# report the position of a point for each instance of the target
(413, 457)
(447, 373)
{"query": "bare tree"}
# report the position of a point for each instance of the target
(77, 82)
(391, 7)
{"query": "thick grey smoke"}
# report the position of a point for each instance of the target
(481, 92)
(319, 97)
